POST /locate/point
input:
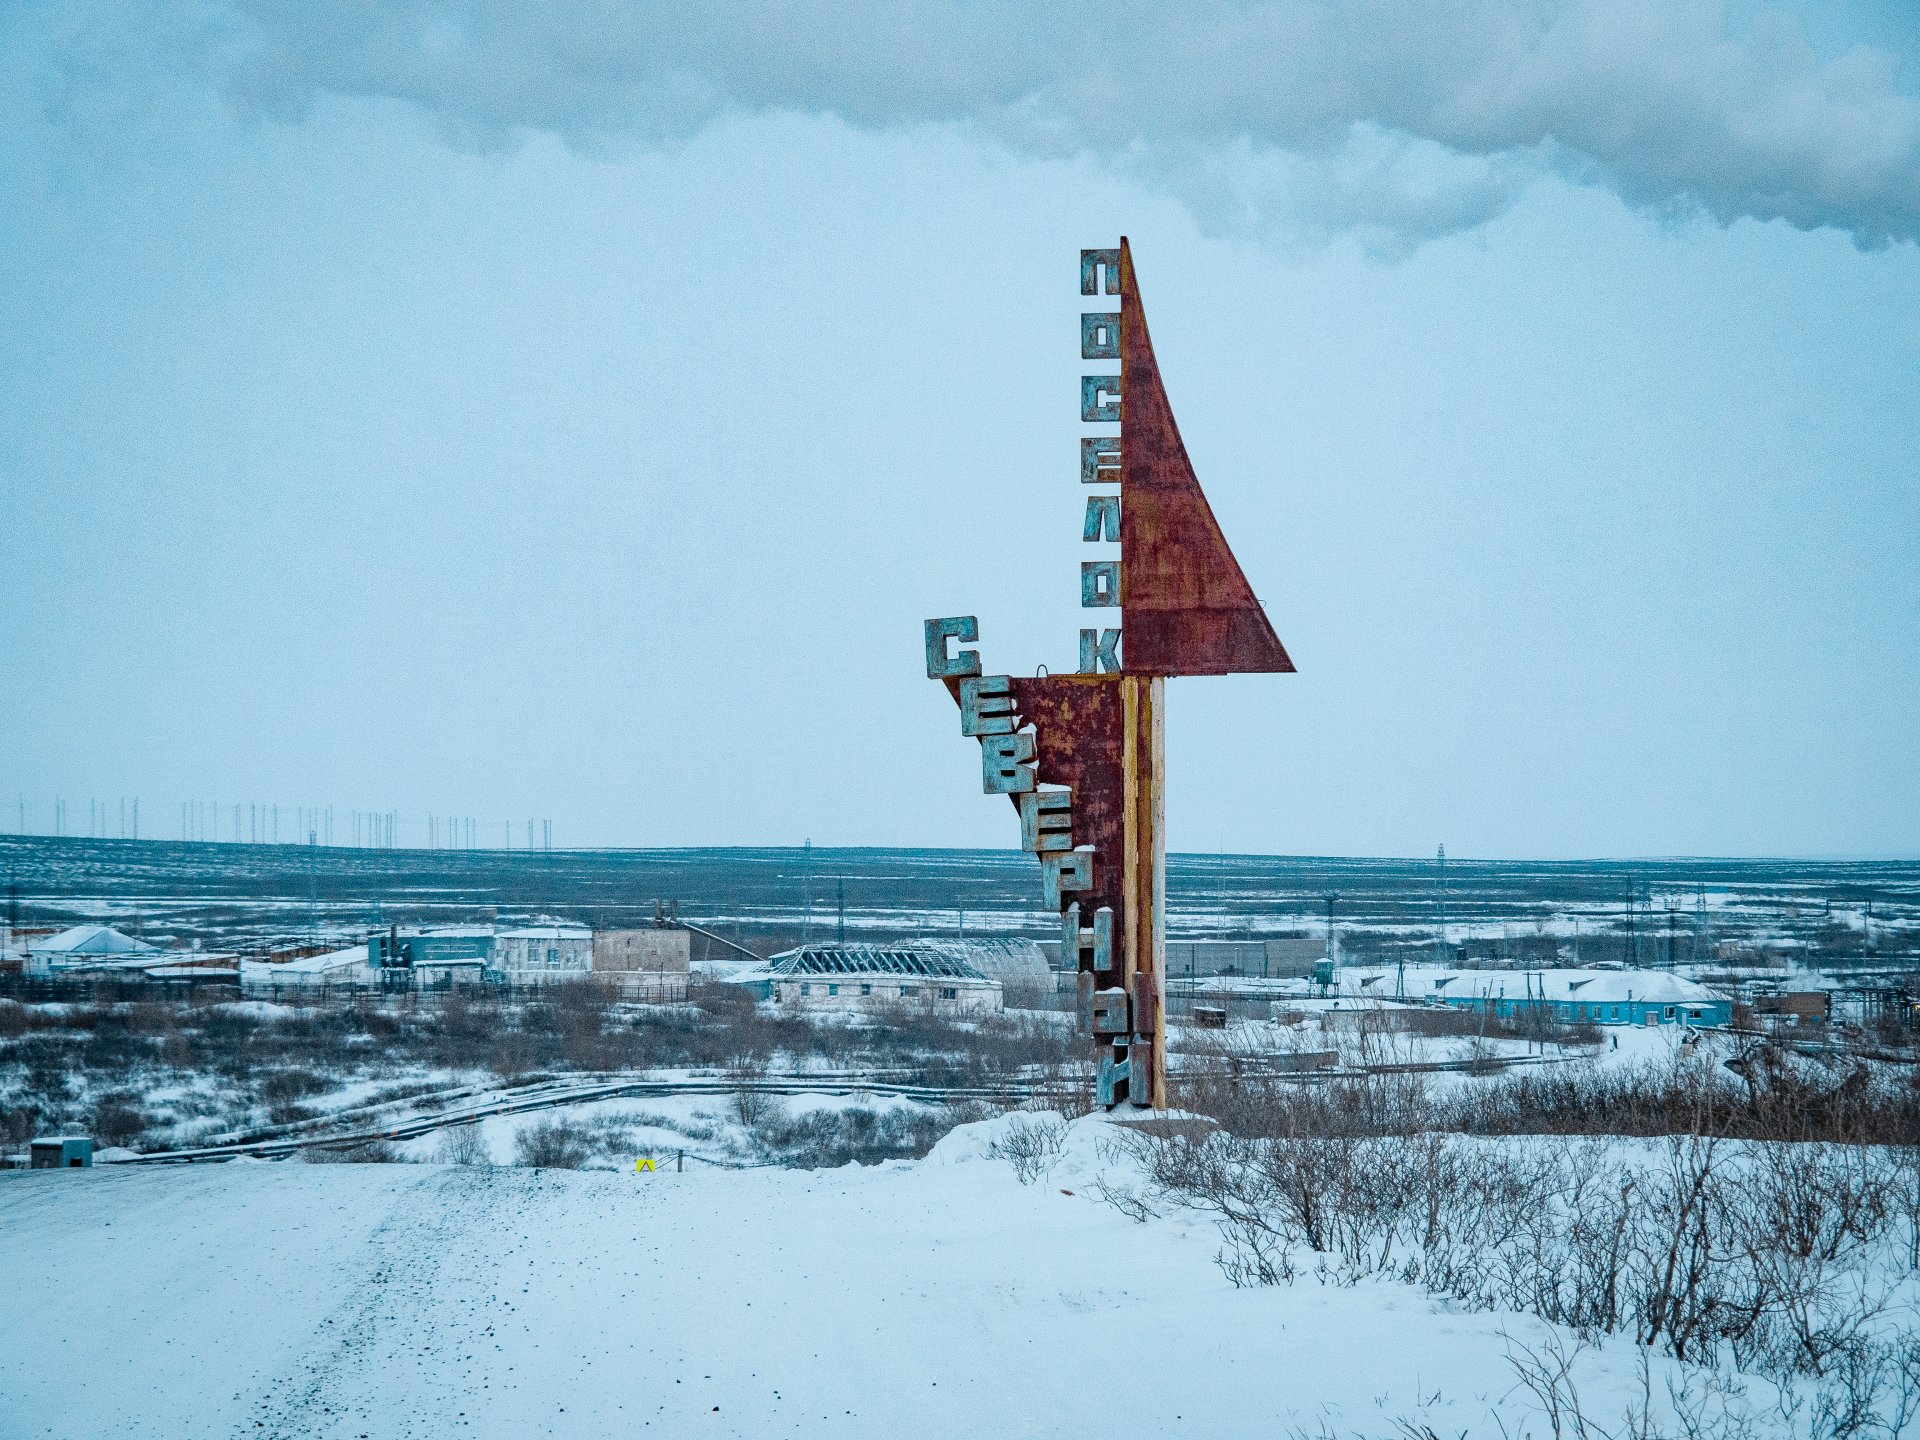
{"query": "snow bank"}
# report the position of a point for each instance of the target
(929, 1299)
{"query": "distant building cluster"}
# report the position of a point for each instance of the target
(647, 964)
(95, 950)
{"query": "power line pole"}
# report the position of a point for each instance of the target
(1633, 909)
(806, 892)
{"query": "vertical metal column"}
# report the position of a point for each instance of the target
(1144, 881)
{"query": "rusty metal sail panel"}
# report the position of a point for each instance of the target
(1186, 605)
(1078, 740)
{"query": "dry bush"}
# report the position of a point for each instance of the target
(552, 1145)
(465, 1145)
(1031, 1144)
(1779, 1257)
(367, 1152)
(283, 1086)
(827, 1139)
(118, 1119)
(750, 1104)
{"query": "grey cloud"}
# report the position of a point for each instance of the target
(1392, 120)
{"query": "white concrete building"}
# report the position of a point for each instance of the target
(856, 977)
(340, 970)
(544, 952)
(1019, 965)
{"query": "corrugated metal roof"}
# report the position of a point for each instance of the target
(1012, 960)
(871, 960)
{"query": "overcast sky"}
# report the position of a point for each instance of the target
(565, 411)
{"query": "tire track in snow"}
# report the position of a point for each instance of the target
(400, 1357)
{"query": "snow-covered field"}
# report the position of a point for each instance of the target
(923, 1299)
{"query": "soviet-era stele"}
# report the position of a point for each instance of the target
(1081, 755)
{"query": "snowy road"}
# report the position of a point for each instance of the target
(924, 1300)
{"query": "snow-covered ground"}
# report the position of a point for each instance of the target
(927, 1299)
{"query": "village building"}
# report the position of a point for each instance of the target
(328, 971)
(60, 1152)
(539, 953)
(862, 977)
(650, 963)
(1020, 965)
(1569, 997)
(90, 951)
(88, 947)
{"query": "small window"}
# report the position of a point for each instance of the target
(1669, 1012)
(949, 992)
(806, 989)
(833, 989)
(866, 989)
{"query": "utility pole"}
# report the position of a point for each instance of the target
(840, 907)
(1439, 908)
(1633, 909)
(806, 892)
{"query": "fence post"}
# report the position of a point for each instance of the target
(679, 1161)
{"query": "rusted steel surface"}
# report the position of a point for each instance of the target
(1186, 606)
(1076, 726)
(1077, 742)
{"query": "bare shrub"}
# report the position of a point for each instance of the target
(751, 1104)
(1767, 1254)
(367, 1152)
(19, 1122)
(1031, 1144)
(282, 1086)
(1064, 1088)
(465, 1145)
(1762, 1093)
(552, 1145)
(118, 1119)
(1136, 1202)
(827, 1139)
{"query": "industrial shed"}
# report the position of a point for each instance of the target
(88, 947)
(856, 977)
